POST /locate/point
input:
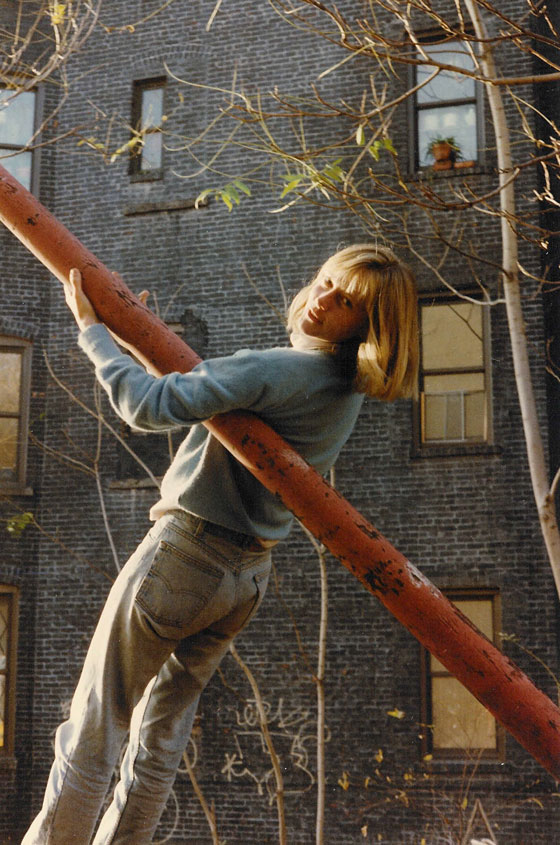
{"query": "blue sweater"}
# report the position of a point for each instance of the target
(302, 395)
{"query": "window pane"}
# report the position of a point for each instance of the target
(475, 416)
(10, 380)
(434, 418)
(454, 383)
(458, 122)
(446, 85)
(16, 117)
(454, 415)
(480, 612)
(152, 151)
(152, 107)
(4, 619)
(2, 708)
(8, 449)
(452, 336)
(4, 611)
(18, 165)
(459, 720)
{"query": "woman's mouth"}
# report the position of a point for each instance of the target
(313, 316)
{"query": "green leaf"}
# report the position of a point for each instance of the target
(334, 172)
(232, 193)
(17, 524)
(291, 186)
(242, 186)
(224, 196)
(388, 144)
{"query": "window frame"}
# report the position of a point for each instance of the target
(137, 173)
(437, 37)
(438, 447)
(12, 592)
(460, 755)
(23, 347)
(35, 153)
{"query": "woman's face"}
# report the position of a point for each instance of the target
(332, 314)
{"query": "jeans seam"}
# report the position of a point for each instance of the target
(133, 769)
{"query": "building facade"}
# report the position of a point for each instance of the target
(409, 756)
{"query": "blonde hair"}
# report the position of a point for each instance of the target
(387, 359)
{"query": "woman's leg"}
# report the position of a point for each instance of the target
(124, 655)
(162, 721)
(174, 586)
(160, 728)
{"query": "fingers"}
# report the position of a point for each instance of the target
(75, 278)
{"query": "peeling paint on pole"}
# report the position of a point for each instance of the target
(529, 715)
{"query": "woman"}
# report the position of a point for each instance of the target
(200, 574)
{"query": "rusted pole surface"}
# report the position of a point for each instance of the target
(529, 715)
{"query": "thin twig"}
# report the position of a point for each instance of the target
(279, 792)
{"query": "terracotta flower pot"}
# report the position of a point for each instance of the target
(442, 151)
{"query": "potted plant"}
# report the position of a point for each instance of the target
(444, 151)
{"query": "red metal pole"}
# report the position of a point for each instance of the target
(529, 715)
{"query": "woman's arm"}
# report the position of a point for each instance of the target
(159, 403)
(84, 314)
(77, 301)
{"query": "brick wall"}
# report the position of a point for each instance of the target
(465, 521)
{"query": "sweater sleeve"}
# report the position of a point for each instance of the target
(154, 404)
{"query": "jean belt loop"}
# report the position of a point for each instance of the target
(200, 526)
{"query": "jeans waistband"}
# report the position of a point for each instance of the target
(247, 542)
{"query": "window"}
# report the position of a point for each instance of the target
(459, 726)
(156, 449)
(8, 635)
(147, 119)
(17, 122)
(15, 373)
(447, 107)
(454, 388)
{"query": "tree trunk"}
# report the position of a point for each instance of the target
(535, 450)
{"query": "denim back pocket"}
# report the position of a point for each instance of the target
(245, 610)
(177, 588)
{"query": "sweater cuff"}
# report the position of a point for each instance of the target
(98, 344)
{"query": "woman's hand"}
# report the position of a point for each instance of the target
(77, 301)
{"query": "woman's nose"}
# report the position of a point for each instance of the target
(324, 298)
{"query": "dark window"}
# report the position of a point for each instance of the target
(447, 107)
(147, 121)
(156, 450)
(8, 635)
(15, 373)
(456, 724)
(17, 122)
(454, 378)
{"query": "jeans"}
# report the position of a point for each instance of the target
(167, 623)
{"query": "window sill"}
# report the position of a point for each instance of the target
(454, 450)
(133, 484)
(454, 767)
(147, 175)
(461, 169)
(156, 207)
(16, 490)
